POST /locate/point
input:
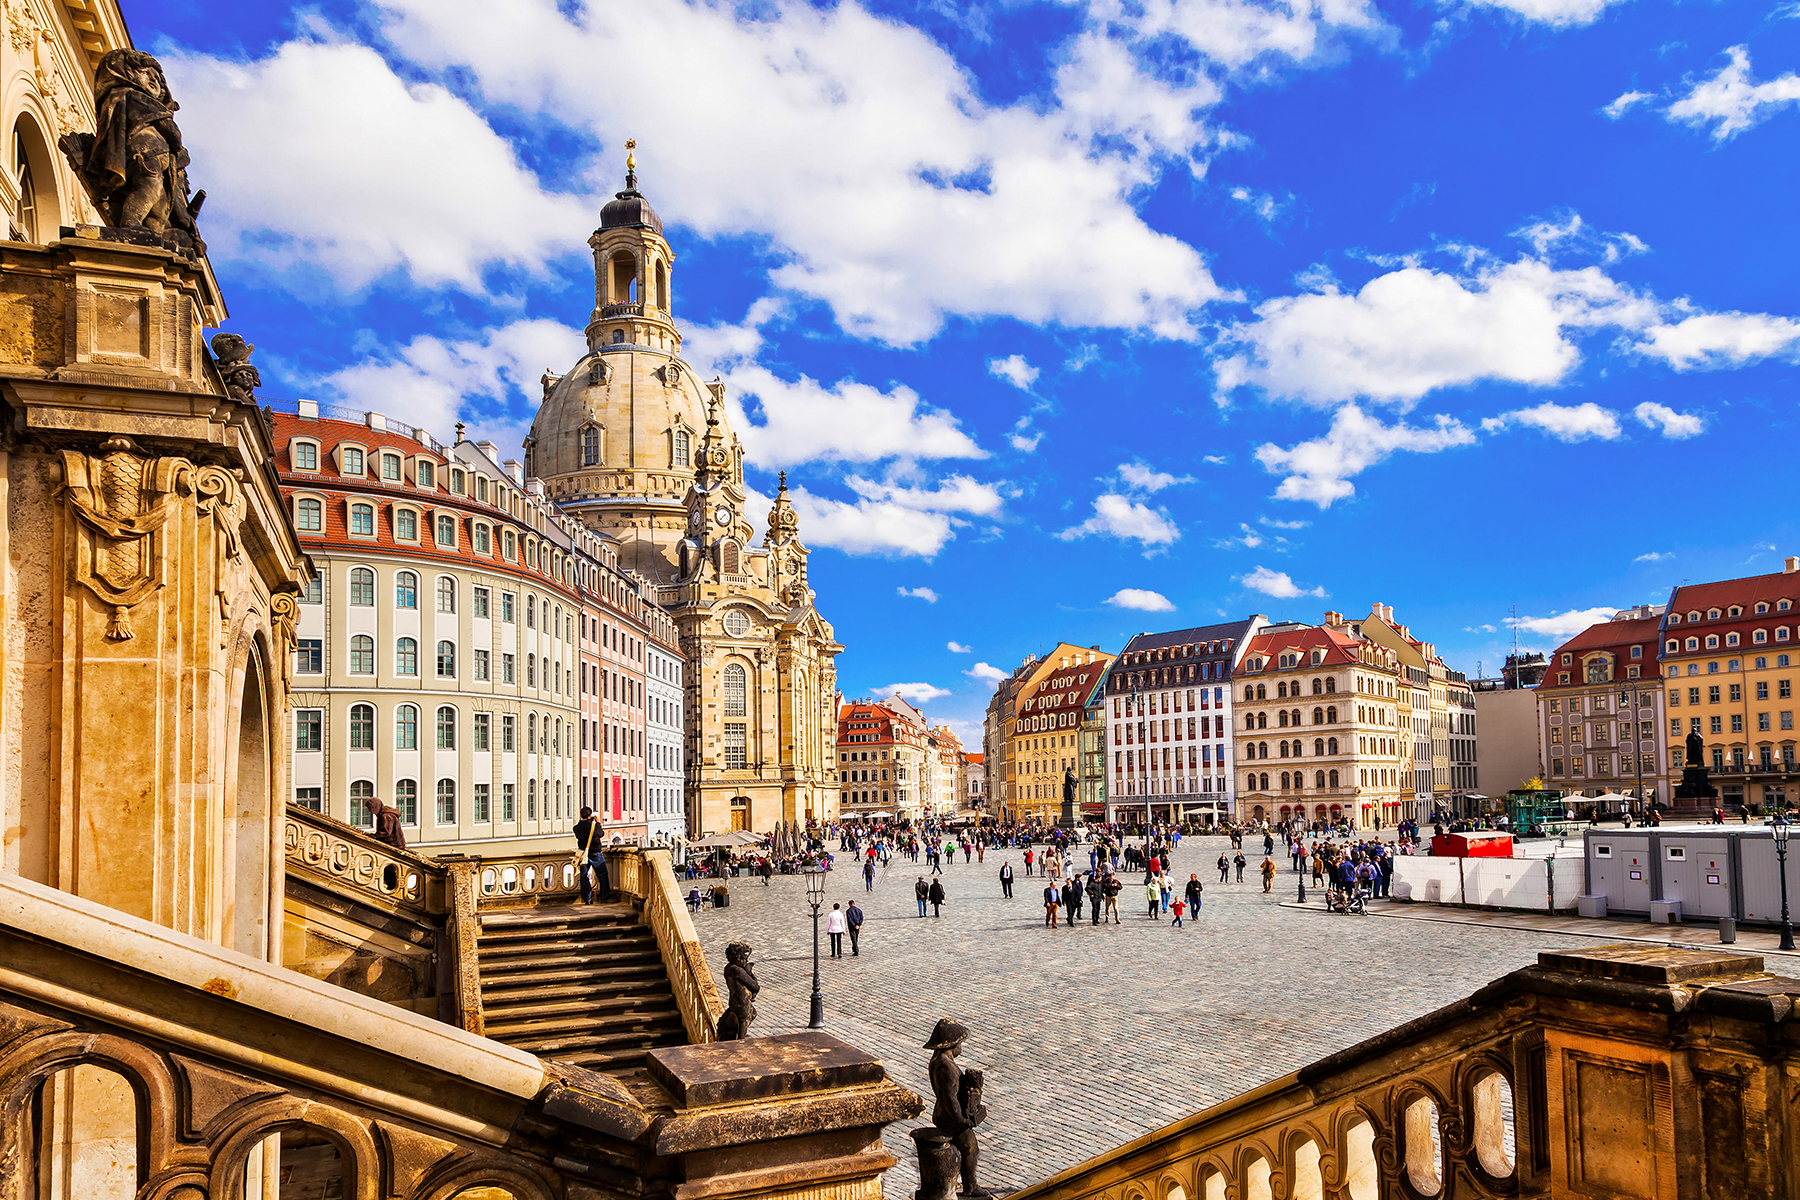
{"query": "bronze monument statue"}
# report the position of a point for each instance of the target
(954, 1116)
(1696, 788)
(231, 354)
(740, 981)
(134, 165)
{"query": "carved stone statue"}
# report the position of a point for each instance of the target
(134, 165)
(740, 980)
(954, 1116)
(1069, 788)
(1696, 749)
(232, 354)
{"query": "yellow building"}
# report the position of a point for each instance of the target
(1033, 729)
(1436, 709)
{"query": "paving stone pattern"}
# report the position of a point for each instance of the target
(1091, 1037)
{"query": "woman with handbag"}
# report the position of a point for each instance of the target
(590, 859)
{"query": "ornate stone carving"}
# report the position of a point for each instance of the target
(232, 354)
(134, 165)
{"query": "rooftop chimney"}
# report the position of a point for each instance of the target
(1789, 565)
(489, 449)
(516, 470)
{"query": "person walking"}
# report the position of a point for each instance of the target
(1192, 892)
(834, 927)
(1076, 892)
(1168, 889)
(869, 875)
(1154, 894)
(1068, 903)
(1113, 888)
(853, 920)
(1006, 878)
(593, 860)
(1240, 862)
(767, 871)
(922, 890)
(1268, 874)
(1028, 859)
(1224, 868)
(1179, 905)
(1051, 900)
(1094, 896)
(937, 897)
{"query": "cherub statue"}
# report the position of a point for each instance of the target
(958, 1109)
(740, 980)
(134, 165)
(231, 353)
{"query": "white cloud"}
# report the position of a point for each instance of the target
(803, 421)
(1272, 524)
(1083, 358)
(920, 593)
(1319, 471)
(1413, 330)
(1025, 444)
(431, 381)
(1730, 101)
(1266, 207)
(1564, 625)
(1674, 425)
(1721, 339)
(1141, 477)
(1277, 584)
(959, 648)
(914, 693)
(861, 150)
(1126, 519)
(1479, 629)
(1141, 599)
(1015, 370)
(1653, 556)
(1625, 103)
(321, 156)
(1574, 234)
(1567, 423)
(1249, 539)
(984, 673)
(1559, 14)
(1217, 460)
(889, 518)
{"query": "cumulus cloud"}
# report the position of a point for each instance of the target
(1141, 599)
(1558, 14)
(1126, 519)
(890, 518)
(1674, 425)
(1625, 103)
(1319, 471)
(1277, 584)
(915, 693)
(1721, 340)
(1653, 556)
(1572, 234)
(1015, 370)
(1563, 625)
(1249, 539)
(804, 421)
(1567, 423)
(1141, 477)
(1730, 101)
(984, 673)
(1273, 524)
(920, 593)
(959, 648)
(1265, 207)
(371, 149)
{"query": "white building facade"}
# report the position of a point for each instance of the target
(667, 815)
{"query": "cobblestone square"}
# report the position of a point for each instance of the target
(1093, 1036)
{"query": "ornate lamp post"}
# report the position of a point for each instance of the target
(1779, 826)
(815, 896)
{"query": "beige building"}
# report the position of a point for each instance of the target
(629, 442)
(1436, 708)
(1508, 745)
(1046, 729)
(949, 783)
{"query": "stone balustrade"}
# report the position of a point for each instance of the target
(1617, 1071)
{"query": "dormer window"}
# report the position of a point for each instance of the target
(1783, 605)
(390, 467)
(406, 525)
(1762, 606)
(305, 456)
(1712, 614)
(1693, 616)
(1674, 618)
(362, 520)
(427, 474)
(353, 460)
(456, 480)
(1737, 610)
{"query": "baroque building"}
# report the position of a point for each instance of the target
(630, 443)
(1600, 709)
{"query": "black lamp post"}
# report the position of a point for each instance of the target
(815, 896)
(1779, 826)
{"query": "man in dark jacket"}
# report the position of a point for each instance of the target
(1094, 896)
(1193, 894)
(853, 918)
(1051, 899)
(937, 897)
(1075, 894)
(922, 890)
(1006, 878)
(590, 848)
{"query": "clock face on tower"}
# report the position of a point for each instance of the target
(697, 519)
(722, 515)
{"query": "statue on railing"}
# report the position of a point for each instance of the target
(953, 1118)
(134, 165)
(740, 979)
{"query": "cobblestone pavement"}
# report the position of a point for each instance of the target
(1093, 1036)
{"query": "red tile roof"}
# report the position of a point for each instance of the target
(1619, 636)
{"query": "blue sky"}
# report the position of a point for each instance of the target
(1070, 320)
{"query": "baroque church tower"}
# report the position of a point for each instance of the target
(633, 445)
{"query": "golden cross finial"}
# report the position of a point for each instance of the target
(630, 159)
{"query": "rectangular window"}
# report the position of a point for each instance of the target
(483, 723)
(309, 729)
(531, 670)
(1787, 719)
(406, 524)
(1674, 697)
(1737, 693)
(390, 466)
(1783, 688)
(1712, 694)
(427, 475)
(446, 531)
(481, 802)
(506, 607)
(481, 602)
(735, 750)
(481, 539)
(1762, 722)
(1737, 722)
(306, 456)
(315, 594)
(309, 656)
(353, 461)
(1693, 695)
(313, 798)
(506, 668)
(509, 545)
(1716, 727)
(506, 800)
(481, 664)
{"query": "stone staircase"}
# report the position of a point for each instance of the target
(578, 983)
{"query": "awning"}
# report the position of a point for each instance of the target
(731, 839)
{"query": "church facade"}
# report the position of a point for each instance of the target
(632, 444)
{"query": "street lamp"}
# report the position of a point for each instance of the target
(815, 896)
(1779, 827)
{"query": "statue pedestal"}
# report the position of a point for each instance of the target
(939, 1164)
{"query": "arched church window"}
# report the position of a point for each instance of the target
(734, 690)
(590, 447)
(681, 448)
(26, 216)
(662, 287)
(728, 558)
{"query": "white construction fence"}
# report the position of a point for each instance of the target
(1540, 884)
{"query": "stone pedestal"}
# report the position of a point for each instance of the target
(794, 1116)
(939, 1164)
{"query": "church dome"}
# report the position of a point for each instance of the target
(629, 210)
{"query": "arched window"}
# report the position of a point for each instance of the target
(361, 792)
(662, 286)
(446, 802)
(734, 689)
(406, 728)
(1330, 686)
(1285, 782)
(362, 519)
(1318, 686)
(1262, 749)
(446, 660)
(406, 657)
(1331, 717)
(362, 726)
(362, 655)
(1318, 716)
(1281, 718)
(590, 447)
(1262, 720)
(728, 558)
(406, 524)
(446, 531)
(406, 799)
(25, 216)
(1318, 747)
(1264, 786)
(1261, 692)
(1249, 720)
(1249, 692)
(406, 590)
(681, 448)
(1334, 778)
(1318, 779)
(1294, 718)
(1284, 749)
(362, 586)
(1331, 745)
(446, 728)
(446, 594)
(531, 799)
(309, 515)
(1281, 690)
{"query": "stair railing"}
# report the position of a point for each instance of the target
(650, 877)
(346, 859)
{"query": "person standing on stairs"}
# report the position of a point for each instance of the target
(590, 855)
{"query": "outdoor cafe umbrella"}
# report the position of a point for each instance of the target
(732, 839)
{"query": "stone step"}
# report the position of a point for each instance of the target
(552, 984)
(562, 932)
(501, 953)
(583, 1020)
(567, 1043)
(591, 1005)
